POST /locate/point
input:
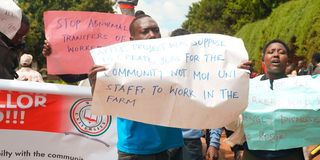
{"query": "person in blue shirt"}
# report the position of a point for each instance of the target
(136, 140)
(140, 141)
(192, 149)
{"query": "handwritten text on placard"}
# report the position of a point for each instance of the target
(73, 33)
(173, 76)
(275, 117)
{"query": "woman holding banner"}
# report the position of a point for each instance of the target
(275, 56)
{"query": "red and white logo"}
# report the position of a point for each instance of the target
(85, 121)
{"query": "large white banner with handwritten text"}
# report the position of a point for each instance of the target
(187, 81)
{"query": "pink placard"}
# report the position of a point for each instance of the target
(72, 34)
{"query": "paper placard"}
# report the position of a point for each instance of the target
(183, 81)
(72, 34)
(286, 117)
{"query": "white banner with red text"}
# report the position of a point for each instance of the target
(42, 121)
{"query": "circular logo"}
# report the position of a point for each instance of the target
(85, 121)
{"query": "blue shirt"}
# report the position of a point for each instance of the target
(196, 133)
(140, 138)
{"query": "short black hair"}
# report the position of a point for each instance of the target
(276, 41)
(179, 32)
(131, 27)
(139, 13)
(316, 57)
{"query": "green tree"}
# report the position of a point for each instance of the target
(227, 16)
(205, 16)
(296, 22)
(241, 12)
(34, 10)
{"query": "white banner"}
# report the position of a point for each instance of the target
(42, 121)
(187, 81)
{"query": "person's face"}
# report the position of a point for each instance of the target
(145, 28)
(276, 58)
(19, 37)
(301, 64)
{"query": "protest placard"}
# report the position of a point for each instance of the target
(286, 117)
(72, 34)
(187, 81)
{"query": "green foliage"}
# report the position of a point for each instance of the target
(227, 16)
(296, 22)
(205, 16)
(34, 10)
(247, 11)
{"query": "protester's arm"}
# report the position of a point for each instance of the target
(214, 145)
(245, 65)
(93, 75)
(46, 50)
